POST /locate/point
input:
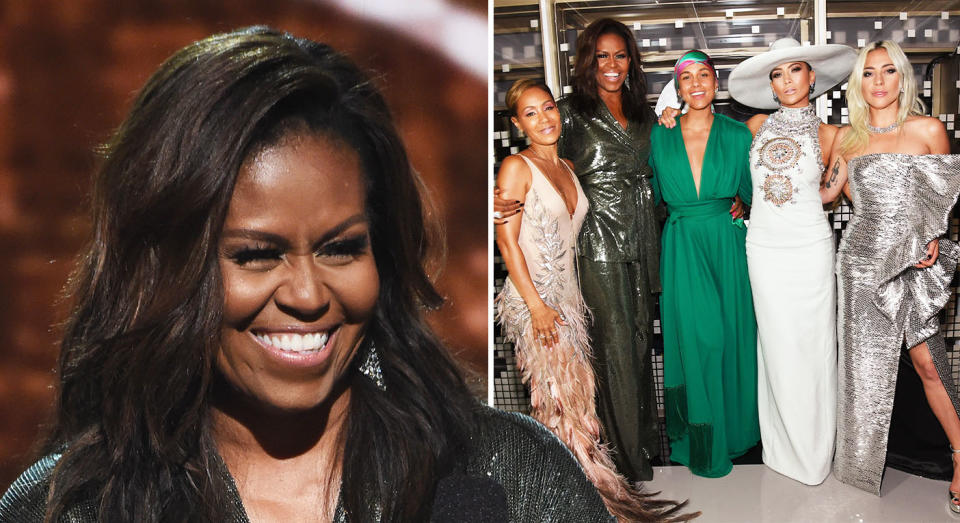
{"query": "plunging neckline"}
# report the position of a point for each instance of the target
(576, 195)
(686, 156)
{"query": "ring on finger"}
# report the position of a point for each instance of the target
(497, 215)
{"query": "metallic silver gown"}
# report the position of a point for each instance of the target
(900, 203)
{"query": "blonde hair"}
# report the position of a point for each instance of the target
(858, 136)
(517, 89)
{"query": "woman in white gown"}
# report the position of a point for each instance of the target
(790, 253)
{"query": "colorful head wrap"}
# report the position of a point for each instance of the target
(689, 58)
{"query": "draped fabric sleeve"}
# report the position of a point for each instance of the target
(909, 296)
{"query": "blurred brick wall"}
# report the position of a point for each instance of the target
(68, 72)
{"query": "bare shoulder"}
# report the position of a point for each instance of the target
(924, 126)
(828, 133)
(512, 168)
(929, 131)
(514, 178)
(755, 122)
(842, 132)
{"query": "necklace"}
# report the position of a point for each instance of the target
(882, 130)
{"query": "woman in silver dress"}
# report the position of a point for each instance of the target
(893, 272)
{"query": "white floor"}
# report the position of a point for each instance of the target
(754, 493)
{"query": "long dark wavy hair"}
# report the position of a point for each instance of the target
(136, 368)
(585, 98)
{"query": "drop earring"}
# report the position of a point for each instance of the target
(371, 368)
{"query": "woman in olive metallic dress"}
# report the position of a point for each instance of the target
(606, 133)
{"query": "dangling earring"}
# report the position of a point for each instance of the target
(626, 82)
(813, 86)
(775, 99)
(371, 368)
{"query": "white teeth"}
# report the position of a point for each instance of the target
(296, 342)
(611, 75)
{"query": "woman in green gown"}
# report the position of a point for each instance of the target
(706, 310)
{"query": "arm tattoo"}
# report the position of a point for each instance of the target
(834, 173)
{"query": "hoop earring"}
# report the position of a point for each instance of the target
(371, 368)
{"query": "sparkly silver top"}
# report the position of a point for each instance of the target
(786, 165)
(901, 202)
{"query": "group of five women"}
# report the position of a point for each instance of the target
(749, 315)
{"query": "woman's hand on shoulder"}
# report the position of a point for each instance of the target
(513, 182)
(668, 118)
(755, 122)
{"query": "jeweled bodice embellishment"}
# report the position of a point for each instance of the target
(780, 153)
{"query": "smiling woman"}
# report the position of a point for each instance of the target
(247, 341)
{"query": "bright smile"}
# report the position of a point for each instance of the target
(298, 348)
(294, 342)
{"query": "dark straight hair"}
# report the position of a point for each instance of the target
(137, 357)
(585, 98)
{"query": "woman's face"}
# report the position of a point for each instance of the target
(791, 83)
(697, 86)
(880, 84)
(613, 62)
(299, 277)
(537, 116)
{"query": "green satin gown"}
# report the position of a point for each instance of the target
(706, 310)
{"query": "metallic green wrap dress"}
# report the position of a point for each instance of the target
(706, 310)
(618, 256)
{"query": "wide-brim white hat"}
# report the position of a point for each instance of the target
(749, 82)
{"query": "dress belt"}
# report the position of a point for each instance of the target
(698, 209)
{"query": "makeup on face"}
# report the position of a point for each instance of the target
(538, 116)
(299, 277)
(791, 83)
(613, 62)
(697, 85)
(880, 81)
